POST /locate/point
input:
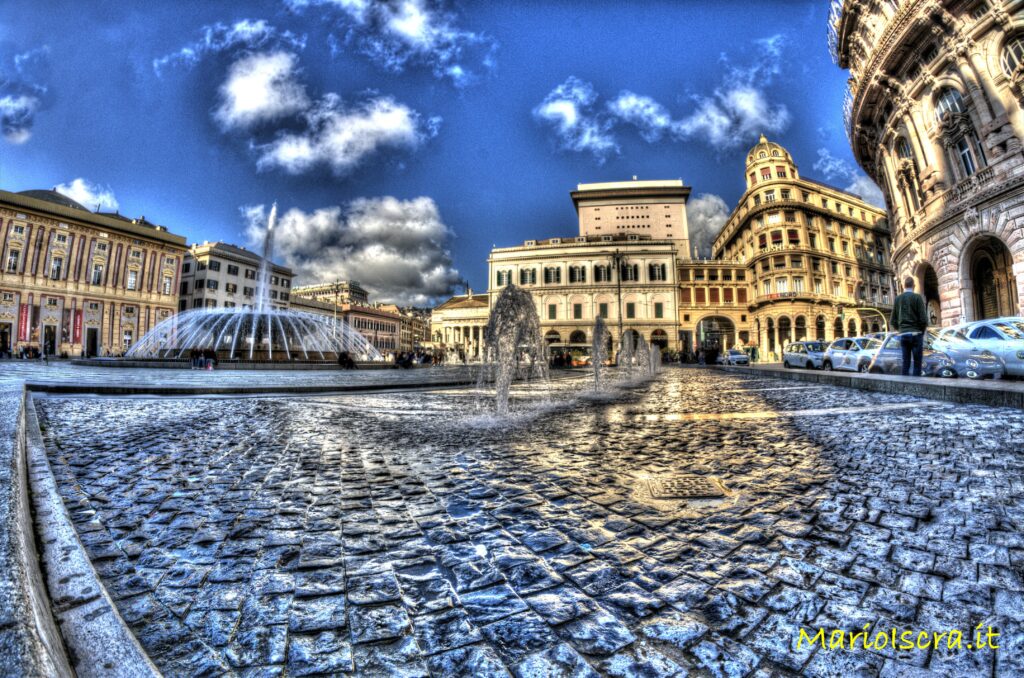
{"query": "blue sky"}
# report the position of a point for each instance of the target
(403, 139)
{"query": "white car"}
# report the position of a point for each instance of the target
(734, 356)
(851, 354)
(1002, 336)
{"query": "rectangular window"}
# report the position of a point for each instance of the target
(232, 269)
(741, 295)
(727, 295)
(630, 310)
(97, 274)
(577, 311)
(214, 265)
(183, 288)
(552, 311)
(602, 310)
(832, 244)
(61, 239)
(684, 275)
(135, 254)
(273, 294)
(685, 295)
(700, 295)
(186, 267)
(780, 172)
(166, 287)
(13, 257)
(769, 196)
(211, 284)
(793, 236)
(766, 286)
(713, 295)
(818, 286)
(19, 229)
(197, 303)
(230, 288)
(247, 291)
(659, 309)
(56, 266)
(250, 274)
(101, 247)
(741, 275)
(781, 285)
(201, 266)
(785, 194)
(133, 280)
(798, 284)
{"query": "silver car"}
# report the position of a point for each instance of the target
(807, 354)
(971, 361)
(734, 356)
(1002, 336)
(851, 354)
(889, 360)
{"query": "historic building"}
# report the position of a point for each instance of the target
(78, 282)
(340, 292)
(219, 275)
(457, 325)
(814, 259)
(629, 280)
(934, 117)
(380, 327)
(714, 295)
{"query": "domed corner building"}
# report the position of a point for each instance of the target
(934, 115)
(815, 257)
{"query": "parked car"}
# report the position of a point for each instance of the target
(851, 354)
(970, 360)
(807, 354)
(734, 356)
(889, 360)
(1002, 336)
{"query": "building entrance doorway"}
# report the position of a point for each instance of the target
(929, 283)
(992, 279)
(6, 332)
(92, 342)
(49, 339)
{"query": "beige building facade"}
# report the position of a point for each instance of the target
(339, 292)
(381, 328)
(816, 258)
(77, 282)
(654, 209)
(935, 117)
(457, 325)
(220, 275)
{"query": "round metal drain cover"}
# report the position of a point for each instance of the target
(685, 487)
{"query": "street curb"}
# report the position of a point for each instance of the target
(103, 389)
(990, 393)
(98, 641)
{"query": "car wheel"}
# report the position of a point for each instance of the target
(827, 366)
(785, 364)
(947, 373)
(863, 368)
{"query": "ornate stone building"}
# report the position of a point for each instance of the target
(79, 282)
(934, 117)
(814, 259)
(219, 275)
(457, 325)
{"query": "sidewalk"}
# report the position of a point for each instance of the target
(995, 393)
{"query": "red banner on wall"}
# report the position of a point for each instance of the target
(23, 323)
(76, 337)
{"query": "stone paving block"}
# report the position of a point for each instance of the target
(517, 636)
(487, 605)
(724, 658)
(469, 662)
(641, 661)
(258, 646)
(371, 589)
(324, 613)
(778, 639)
(399, 659)
(443, 631)
(560, 660)
(326, 652)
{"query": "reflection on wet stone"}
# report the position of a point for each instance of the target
(356, 536)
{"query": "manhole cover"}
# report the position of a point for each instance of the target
(684, 487)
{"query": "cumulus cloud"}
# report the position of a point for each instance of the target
(736, 112)
(259, 88)
(397, 249)
(850, 178)
(705, 216)
(220, 37)
(341, 137)
(400, 32)
(88, 194)
(22, 93)
(569, 110)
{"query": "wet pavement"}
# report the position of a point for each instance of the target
(404, 534)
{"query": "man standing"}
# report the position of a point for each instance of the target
(910, 318)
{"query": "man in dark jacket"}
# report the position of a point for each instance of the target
(910, 318)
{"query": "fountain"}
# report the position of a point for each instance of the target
(655, 360)
(257, 333)
(626, 353)
(642, 356)
(513, 344)
(599, 350)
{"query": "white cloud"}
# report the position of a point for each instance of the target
(569, 110)
(342, 138)
(648, 115)
(705, 216)
(17, 114)
(88, 194)
(260, 88)
(397, 249)
(400, 32)
(733, 116)
(219, 37)
(854, 181)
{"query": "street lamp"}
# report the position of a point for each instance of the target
(618, 258)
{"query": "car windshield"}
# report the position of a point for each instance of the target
(735, 352)
(871, 344)
(951, 338)
(1012, 331)
(816, 346)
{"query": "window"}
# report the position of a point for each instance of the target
(528, 276)
(18, 229)
(186, 267)
(97, 274)
(201, 266)
(552, 311)
(214, 265)
(793, 236)
(812, 240)
(630, 310)
(776, 238)
(247, 291)
(741, 275)
(963, 150)
(56, 266)
(197, 303)
(656, 272)
(230, 288)
(61, 239)
(211, 284)
(250, 274)
(629, 273)
(785, 194)
(273, 294)
(798, 284)
(502, 278)
(13, 257)
(781, 285)
(767, 286)
(275, 280)
(166, 285)
(713, 295)
(757, 200)
(135, 254)
(766, 173)
(832, 244)
(769, 196)
(577, 311)
(183, 289)
(659, 309)
(949, 101)
(846, 247)
(780, 172)
(101, 247)
(685, 295)
(762, 241)
(552, 275)
(577, 274)
(210, 303)
(602, 274)
(818, 286)
(602, 310)
(133, 280)
(835, 289)
(232, 269)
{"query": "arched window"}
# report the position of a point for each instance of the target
(552, 275)
(577, 274)
(903, 149)
(1013, 54)
(762, 154)
(656, 272)
(949, 101)
(602, 274)
(528, 276)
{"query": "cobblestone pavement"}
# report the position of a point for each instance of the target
(400, 535)
(64, 372)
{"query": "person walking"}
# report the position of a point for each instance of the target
(910, 318)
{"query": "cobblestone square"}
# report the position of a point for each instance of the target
(405, 534)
